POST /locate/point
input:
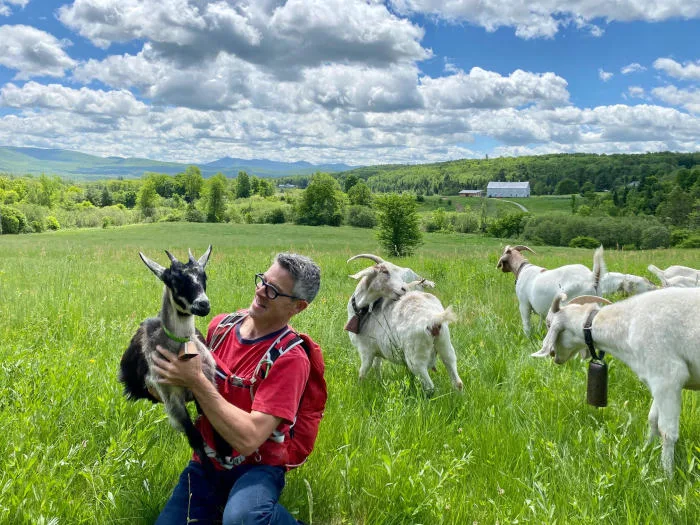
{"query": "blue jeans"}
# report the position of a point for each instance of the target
(247, 494)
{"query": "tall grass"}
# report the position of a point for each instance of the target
(518, 446)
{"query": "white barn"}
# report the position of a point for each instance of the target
(508, 189)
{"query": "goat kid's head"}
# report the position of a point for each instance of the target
(565, 327)
(186, 282)
(379, 281)
(511, 258)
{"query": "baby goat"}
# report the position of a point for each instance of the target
(656, 334)
(400, 324)
(184, 297)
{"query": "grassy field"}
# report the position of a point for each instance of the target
(520, 445)
(537, 205)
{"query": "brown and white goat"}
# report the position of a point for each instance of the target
(536, 287)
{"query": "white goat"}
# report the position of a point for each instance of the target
(674, 271)
(656, 334)
(395, 322)
(680, 281)
(615, 282)
(536, 287)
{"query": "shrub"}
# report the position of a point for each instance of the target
(361, 217)
(656, 236)
(194, 215)
(465, 222)
(584, 242)
(13, 220)
(438, 222)
(106, 222)
(510, 225)
(52, 223)
(276, 216)
(679, 235)
(691, 242)
(37, 226)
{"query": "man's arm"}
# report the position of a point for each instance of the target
(244, 431)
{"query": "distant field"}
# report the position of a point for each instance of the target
(536, 205)
(520, 445)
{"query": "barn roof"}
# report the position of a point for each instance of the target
(508, 185)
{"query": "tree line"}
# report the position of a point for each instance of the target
(659, 190)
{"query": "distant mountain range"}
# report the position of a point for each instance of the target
(79, 166)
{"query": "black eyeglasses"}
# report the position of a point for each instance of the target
(270, 291)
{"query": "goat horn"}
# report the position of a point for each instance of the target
(369, 256)
(587, 299)
(192, 259)
(170, 256)
(521, 248)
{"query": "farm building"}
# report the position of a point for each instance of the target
(470, 193)
(508, 189)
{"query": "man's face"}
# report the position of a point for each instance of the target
(280, 309)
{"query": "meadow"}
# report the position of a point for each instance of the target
(519, 445)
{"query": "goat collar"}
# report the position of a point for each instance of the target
(520, 269)
(588, 337)
(356, 321)
(173, 336)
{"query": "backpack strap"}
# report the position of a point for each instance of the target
(284, 343)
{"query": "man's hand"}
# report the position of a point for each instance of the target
(172, 371)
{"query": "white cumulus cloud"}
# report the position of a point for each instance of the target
(32, 52)
(685, 71)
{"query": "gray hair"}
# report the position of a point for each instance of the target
(305, 272)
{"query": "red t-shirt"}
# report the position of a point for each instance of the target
(278, 394)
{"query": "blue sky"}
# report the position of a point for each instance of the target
(359, 82)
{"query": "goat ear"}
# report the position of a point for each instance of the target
(204, 259)
(170, 256)
(156, 268)
(522, 248)
(542, 352)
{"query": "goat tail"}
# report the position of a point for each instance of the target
(599, 268)
(446, 316)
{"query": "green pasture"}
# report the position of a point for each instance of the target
(537, 205)
(519, 445)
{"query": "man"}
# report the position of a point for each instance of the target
(249, 476)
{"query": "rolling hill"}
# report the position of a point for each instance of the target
(80, 166)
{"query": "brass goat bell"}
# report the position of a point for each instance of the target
(597, 388)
